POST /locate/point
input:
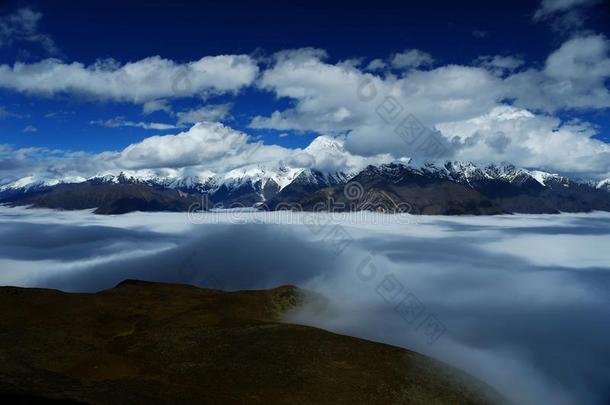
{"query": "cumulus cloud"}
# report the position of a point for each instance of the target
(412, 58)
(371, 109)
(44, 164)
(325, 94)
(329, 97)
(156, 105)
(209, 147)
(549, 7)
(211, 112)
(573, 77)
(202, 142)
(206, 149)
(141, 81)
(501, 63)
(22, 26)
(332, 98)
(369, 115)
(376, 64)
(564, 15)
(554, 6)
(518, 136)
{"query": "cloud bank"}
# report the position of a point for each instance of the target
(137, 82)
(340, 98)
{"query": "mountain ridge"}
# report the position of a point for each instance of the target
(451, 187)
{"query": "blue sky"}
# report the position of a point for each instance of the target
(454, 41)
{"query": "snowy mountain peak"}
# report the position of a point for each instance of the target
(604, 185)
(467, 172)
(318, 178)
(29, 183)
(327, 144)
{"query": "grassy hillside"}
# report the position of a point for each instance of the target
(146, 342)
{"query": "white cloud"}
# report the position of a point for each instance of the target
(501, 63)
(340, 99)
(564, 15)
(45, 164)
(300, 55)
(22, 26)
(573, 77)
(203, 150)
(118, 122)
(202, 143)
(156, 105)
(518, 136)
(360, 108)
(30, 128)
(214, 147)
(376, 64)
(325, 94)
(580, 57)
(142, 81)
(548, 7)
(327, 97)
(329, 154)
(211, 112)
(412, 58)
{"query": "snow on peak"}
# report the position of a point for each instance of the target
(604, 184)
(541, 177)
(465, 171)
(30, 182)
(282, 176)
(327, 144)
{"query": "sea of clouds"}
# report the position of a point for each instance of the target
(521, 302)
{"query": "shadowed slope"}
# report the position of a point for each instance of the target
(146, 342)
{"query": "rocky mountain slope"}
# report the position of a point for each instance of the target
(447, 188)
(459, 188)
(105, 197)
(144, 342)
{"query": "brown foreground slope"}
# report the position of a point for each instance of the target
(146, 342)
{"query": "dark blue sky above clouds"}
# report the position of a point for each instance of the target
(58, 58)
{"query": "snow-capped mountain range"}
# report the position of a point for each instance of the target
(333, 165)
(459, 171)
(503, 187)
